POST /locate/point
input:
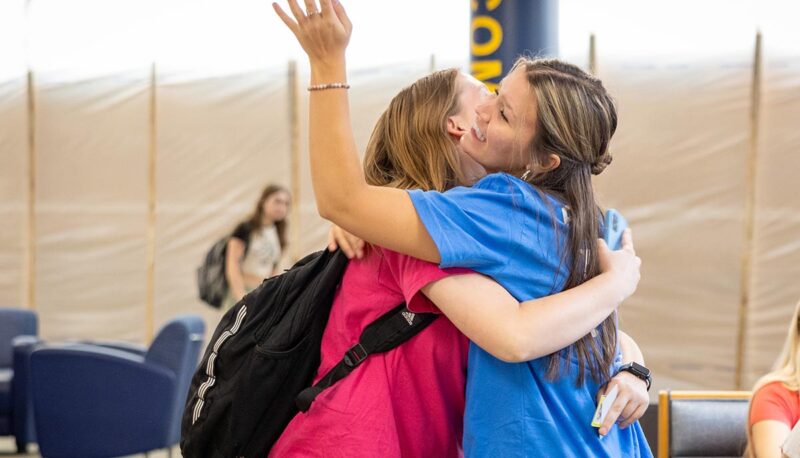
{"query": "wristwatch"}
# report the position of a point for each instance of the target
(639, 371)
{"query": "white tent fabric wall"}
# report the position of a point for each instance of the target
(91, 195)
(678, 175)
(13, 190)
(775, 285)
(220, 141)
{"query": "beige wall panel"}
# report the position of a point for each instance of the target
(220, 140)
(91, 195)
(13, 191)
(678, 176)
(776, 280)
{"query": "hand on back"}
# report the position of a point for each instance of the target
(623, 264)
(352, 246)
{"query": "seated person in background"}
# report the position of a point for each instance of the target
(775, 407)
(256, 245)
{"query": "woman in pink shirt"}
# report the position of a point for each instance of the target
(409, 401)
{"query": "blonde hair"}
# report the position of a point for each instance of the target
(409, 147)
(575, 120)
(785, 370)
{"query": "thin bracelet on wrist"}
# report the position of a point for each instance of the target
(322, 87)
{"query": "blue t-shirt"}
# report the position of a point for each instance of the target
(504, 228)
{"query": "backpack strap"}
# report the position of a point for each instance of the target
(387, 332)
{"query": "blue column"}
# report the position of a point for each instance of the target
(503, 30)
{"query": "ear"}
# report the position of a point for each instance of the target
(454, 129)
(552, 162)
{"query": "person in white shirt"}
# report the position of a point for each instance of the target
(256, 245)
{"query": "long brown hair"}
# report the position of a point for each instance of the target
(409, 147)
(575, 121)
(254, 221)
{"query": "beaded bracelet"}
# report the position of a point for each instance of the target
(322, 87)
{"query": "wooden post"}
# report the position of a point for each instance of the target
(29, 284)
(30, 258)
(748, 246)
(294, 151)
(151, 211)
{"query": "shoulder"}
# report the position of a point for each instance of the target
(501, 183)
(241, 231)
(774, 401)
(775, 391)
(511, 192)
(496, 189)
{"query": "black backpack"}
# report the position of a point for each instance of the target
(212, 285)
(257, 370)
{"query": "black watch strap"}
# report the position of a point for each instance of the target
(639, 371)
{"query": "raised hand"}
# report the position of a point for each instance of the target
(323, 32)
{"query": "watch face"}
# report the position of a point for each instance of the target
(640, 369)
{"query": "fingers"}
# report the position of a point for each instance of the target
(296, 11)
(602, 246)
(628, 407)
(631, 403)
(614, 413)
(326, 7)
(285, 18)
(340, 13)
(358, 246)
(352, 246)
(331, 241)
(637, 414)
(628, 410)
(627, 240)
(345, 245)
(311, 7)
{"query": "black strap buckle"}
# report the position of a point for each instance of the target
(355, 356)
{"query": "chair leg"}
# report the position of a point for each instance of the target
(22, 447)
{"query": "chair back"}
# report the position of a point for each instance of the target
(702, 423)
(14, 322)
(177, 348)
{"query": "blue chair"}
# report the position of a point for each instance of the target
(99, 401)
(16, 325)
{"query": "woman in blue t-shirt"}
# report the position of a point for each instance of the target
(532, 228)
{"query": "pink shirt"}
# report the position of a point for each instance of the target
(407, 402)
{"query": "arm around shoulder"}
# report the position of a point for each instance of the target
(489, 316)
